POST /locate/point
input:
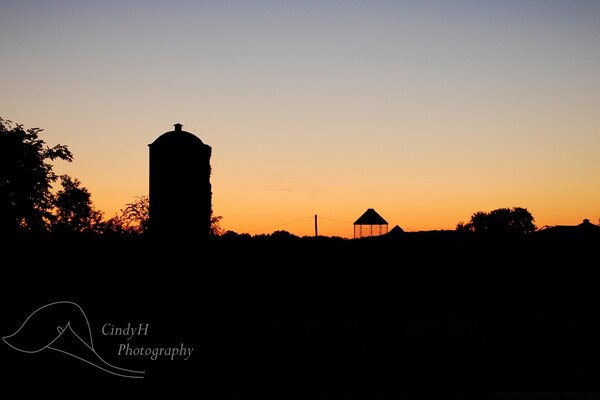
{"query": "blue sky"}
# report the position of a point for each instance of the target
(425, 110)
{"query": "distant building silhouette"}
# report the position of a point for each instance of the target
(396, 231)
(180, 190)
(370, 224)
(583, 230)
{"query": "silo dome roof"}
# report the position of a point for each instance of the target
(178, 136)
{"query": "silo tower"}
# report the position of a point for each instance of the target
(180, 190)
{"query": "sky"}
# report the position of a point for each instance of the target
(427, 111)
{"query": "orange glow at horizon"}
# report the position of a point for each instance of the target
(425, 111)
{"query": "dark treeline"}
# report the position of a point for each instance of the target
(492, 309)
(424, 315)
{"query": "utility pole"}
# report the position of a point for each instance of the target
(316, 229)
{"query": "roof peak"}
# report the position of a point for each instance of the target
(370, 217)
(177, 135)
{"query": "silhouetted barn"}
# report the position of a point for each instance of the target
(180, 190)
(370, 224)
(582, 231)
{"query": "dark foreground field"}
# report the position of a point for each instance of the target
(418, 316)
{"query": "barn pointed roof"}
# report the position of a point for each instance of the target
(396, 231)
(370, 217)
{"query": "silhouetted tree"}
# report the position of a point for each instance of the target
(461, 227)
(134, 219)
(74, 210)
(502, 221)
(215, 226)
(233, 235)
(26, 177)
(136, 214)
(114, 226)
(283, 235)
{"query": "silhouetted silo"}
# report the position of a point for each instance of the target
(180, 190)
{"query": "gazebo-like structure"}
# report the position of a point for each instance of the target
(370, 224)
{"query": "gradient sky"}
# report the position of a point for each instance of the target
(426, 111)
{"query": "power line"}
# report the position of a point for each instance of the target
(299, 220)
(335, 220)
(284, 224)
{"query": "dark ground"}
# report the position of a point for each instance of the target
(430, 315)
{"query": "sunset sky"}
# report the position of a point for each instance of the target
(426, 111)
